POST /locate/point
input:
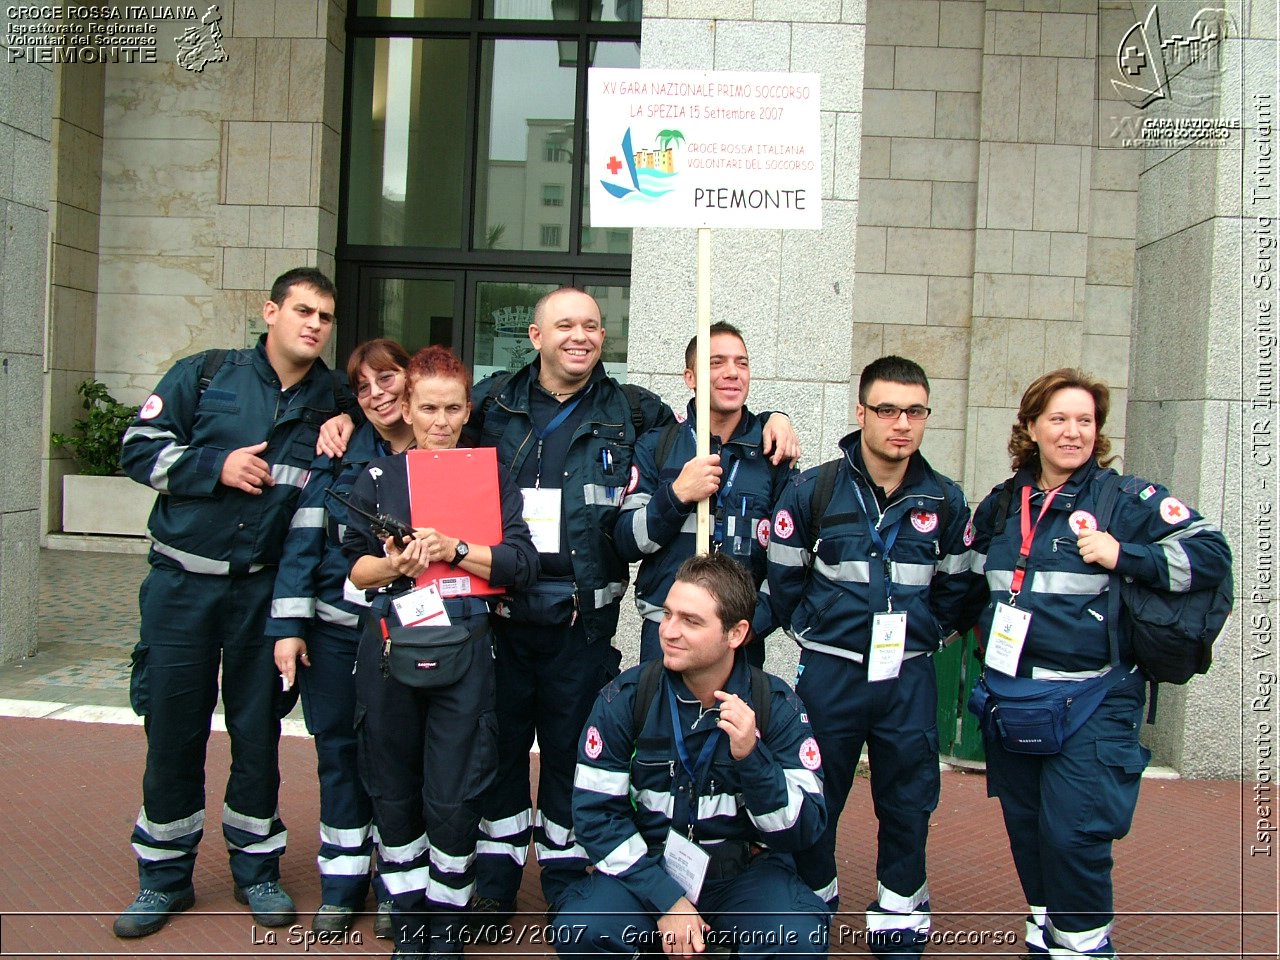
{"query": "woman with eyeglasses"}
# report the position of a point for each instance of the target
(1060, 698)
(316, 621)
(425, 714)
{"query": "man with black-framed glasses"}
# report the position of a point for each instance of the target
(863, 564)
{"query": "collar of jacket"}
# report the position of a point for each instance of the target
(747, 433)
(516, 393)
(737, 683)
(1071, 489)
(268, 373)
(919, 480)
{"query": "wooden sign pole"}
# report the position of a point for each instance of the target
(702, 407)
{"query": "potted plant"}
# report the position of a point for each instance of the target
(99, 499)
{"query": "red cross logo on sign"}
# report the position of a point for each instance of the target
(594, 745)
(151, 408)
(810, 756)
(614, 165)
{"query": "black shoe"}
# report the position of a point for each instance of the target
(486, 918)
(384, 926)
(150, 911)
(271, 906)
(332, 919)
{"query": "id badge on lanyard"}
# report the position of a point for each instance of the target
(1009, 624)
(888, 629)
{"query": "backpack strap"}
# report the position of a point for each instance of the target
(824, 489)
(633, 394)
(1003, 502)
(213, 361)
(667, 442)
(1105, 508)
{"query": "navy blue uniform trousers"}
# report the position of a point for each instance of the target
(328, 690)
(547, 680)
(765, 911)
(426, 757)
(897, 721)
(192, 624)
(1062, 813)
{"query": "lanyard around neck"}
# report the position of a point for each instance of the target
(882, 544)
(1028, 535)
(695, 771)
(552, 426)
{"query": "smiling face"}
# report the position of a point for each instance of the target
(694, 641)
(1065, 434)
(299, 327)
(437, 408)
(379, 393)
(730, 374)
(568, 334)
(891, 442)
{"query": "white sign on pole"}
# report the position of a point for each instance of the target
(691, 148)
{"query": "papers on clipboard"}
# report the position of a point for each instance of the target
(456, 492)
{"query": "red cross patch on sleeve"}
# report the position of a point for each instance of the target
(810, 755)
(593, 746)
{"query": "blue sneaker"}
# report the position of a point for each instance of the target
(271, 906)
(150, 911)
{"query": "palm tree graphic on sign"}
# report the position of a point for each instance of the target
(667, 139)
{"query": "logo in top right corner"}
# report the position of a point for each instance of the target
(1167, 70)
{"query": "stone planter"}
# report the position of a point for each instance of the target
(107, 505)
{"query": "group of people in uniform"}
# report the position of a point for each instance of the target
(690, 802)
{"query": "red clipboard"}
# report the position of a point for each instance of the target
(456, 492)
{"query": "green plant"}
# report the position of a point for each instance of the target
(97, 447)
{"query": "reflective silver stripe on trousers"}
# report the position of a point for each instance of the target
(1076, 942)
(408, 852)
(242, 821)
(350, 837)
(896, 903)
(345, 865)
(172, 830)
(511, 826)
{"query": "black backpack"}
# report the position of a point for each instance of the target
(1172, 633)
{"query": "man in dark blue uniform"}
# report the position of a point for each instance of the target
(658, 521)
(226, 440)
(696, 851)
(868, 586)
(567, 432)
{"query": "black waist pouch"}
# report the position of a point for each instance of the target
(426, 657)
(546, 603)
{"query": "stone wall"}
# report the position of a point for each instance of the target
(26, 109)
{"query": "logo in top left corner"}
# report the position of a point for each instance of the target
(201, 45)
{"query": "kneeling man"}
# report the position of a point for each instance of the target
(697, 776)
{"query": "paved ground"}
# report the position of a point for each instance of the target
(70, 765)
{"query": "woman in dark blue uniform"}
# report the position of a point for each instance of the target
(1046, 569)
(317, 624)
(427, 753)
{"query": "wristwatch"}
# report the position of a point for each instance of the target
(459, 554)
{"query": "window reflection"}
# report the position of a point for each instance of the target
(407, 142)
